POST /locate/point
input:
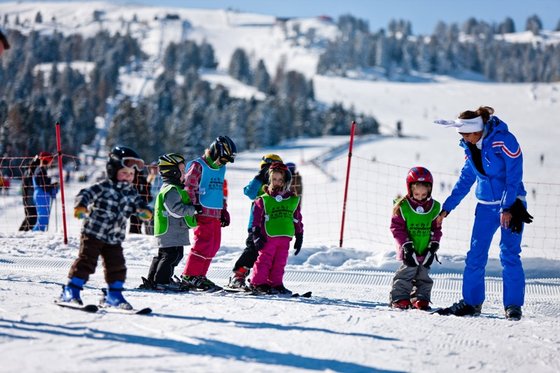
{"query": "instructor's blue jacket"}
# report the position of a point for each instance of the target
(502, 162)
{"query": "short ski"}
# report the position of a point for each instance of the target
(134, 311)
(307, 294)
(236, 290)
(90, 308)
(302, 295)
(173, 287)
(212, 289)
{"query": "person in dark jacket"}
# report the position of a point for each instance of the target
(493, 159)
(144, 189)
(106, 208)
(27, 196)
(44, 190)
(4, 45)
(297, 182)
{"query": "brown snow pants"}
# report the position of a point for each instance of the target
(90, 249)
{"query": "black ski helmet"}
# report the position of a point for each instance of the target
(120, 157)
(169, 167)
(223, 147)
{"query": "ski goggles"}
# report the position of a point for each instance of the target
(131, 162)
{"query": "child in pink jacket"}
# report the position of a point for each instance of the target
(276, 219)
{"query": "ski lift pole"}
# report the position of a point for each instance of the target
(352, 130)
(61, 180)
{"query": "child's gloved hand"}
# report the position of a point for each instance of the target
(144, 214)
(298, 243)
(258, 239)
(409, 257)
(431, 254)
(262, 176)
(225, 218)
(80, 212)
(197, 208)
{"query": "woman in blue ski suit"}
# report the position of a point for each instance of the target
(493, 160)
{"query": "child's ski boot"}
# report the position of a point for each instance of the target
(113, 297)
(237, 281)
(71, 291)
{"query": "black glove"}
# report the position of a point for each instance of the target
(198, 208)
(409, 257)
(258, 239)
(262, 176)
(224, 218)
(298, 243)
(431, 254)
(519, 215)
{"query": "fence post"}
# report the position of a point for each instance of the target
(61, 180)
(352, 129)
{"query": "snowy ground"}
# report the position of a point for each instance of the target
(345, 327)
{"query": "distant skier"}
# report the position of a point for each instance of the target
(44, 190)
(144, 189)
(254, 189)
(495, 162)
(27, 195)
(297, 181)
(106, 208)
(173, 215)
(204, 184)
(4, 45)
(276, 220)
(417, 235)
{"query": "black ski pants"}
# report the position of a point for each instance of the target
(163, 265)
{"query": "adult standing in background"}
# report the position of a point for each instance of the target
(27, 195)
(155, 181)
(143, 187)
(44, 190)
(297, 183)
(493, 160)
(4, 45)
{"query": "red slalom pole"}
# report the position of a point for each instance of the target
(61, 177)
(352, 130)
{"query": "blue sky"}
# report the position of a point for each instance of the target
(424, 14)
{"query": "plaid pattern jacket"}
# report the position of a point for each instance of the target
(110, 205)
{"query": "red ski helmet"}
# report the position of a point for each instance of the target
(46, 156)
(280, 166)
(419, 175)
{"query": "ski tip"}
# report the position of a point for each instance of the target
(302, 295)
(144, 311)
(90, 308)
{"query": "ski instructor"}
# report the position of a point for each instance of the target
(493, 160)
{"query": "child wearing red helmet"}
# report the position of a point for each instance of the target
(417, 235)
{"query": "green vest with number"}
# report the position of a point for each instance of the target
(279, 215)
(419, 224)
(161, 219)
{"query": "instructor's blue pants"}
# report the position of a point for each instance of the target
(43, 205)
(487, 221)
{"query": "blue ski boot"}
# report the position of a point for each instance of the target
(71, 291)
(113, 297)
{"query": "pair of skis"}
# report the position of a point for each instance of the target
(92, 308)
(227, 289)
